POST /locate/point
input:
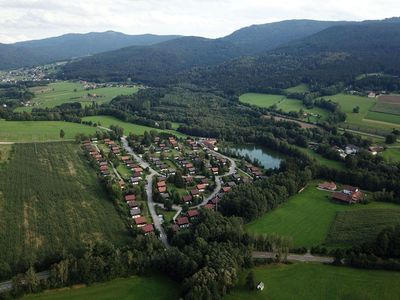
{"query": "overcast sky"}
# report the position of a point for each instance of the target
(32, 19)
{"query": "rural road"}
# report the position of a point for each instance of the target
(149, 190)
(7, 285)
(296, 257)
(232, 170)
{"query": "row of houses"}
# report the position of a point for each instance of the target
(136, 214)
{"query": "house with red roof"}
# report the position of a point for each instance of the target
(148, 229)
(330, 186)
(140, 222)
(130, 197)
(183, 222)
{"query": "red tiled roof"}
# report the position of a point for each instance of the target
(182, 221)
(209, 206)
(162, 189)
(201, 186)
(140, 220)
(193, 213)
(194, 192)
(130, 198)
(327, 186)
(187, 198)
(161, 183)
(148, 228)
(226, 189)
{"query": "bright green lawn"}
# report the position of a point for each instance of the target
(107, 121)
(322, 160)
(318, 281)
(301, 88)
(382, 117)
(140, 288)
(29, 131)
(287, 105)
(62, 92)
(392, 155)
(306, 217)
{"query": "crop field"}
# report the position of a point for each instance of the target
(317, 281)
(107, 121)
(387, 108)
(51, 200)
(383, 118)
(307, 217)
(40, 131)
(151, 288)
(63, 92)
(358, 226)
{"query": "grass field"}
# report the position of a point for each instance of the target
(151, 288)
(287, 105)
(384, 117)
(63, 92)
(301, 88)
(307, 217)
(322, 160)
(391, 155)
(51, 199)
(317, 281)
(107, 121)
(40, 131)
(358, 226)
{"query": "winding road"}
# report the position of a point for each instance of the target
(218, 184)
(149, 190)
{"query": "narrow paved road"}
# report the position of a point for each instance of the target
(296, 257)
(218, 185)
(149, 190)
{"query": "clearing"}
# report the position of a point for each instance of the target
(65, 91)
(107, 121)
(40, 131)
(51, 200)
(307, 217)
(317, 281)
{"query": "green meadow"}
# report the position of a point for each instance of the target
(391, 155)
(151, 288)
(65, 91)
(40, 131)
(301, 88)
(317, 281)
(107, 121)
(308, 216)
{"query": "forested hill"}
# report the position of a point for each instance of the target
(156, 64)
(336, 54)
(257, 39)
(153, 64)
(71, 45)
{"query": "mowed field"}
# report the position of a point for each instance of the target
(151, 288)
(40, 131)
(282, 102)
(63, 92)
(317, 281)
(107, 121)
(50, 200)
(308, 218)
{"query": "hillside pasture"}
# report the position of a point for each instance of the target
(50, 200)
(358, 226)
(107, 121)
(307, 217)
(40, 131)
(317, 281)
(58, 93)
(301, 88)
(152, 288)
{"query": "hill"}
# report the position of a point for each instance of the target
(336, 54)
(70, 46)
(257, 39)
(160, 63)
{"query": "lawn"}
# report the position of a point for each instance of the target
(358, 226)
(301, 88)
(384, 117)
(307, 217)
(322, 160)
(152, 288)
(282, 102)
(63, 92)
(40, 131)
(51, 199)
(391, 155)
(318, 281)
(107, 121)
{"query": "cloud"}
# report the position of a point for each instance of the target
(29, 19)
